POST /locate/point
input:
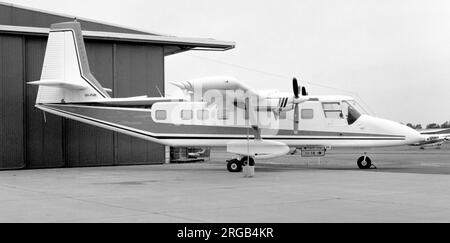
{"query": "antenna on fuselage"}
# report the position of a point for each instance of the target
(159, 91)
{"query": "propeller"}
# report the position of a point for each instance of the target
(297, 101)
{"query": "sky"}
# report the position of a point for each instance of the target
(394, 56)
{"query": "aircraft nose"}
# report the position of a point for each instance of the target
(394, 128)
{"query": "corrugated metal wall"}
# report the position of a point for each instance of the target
(11, 102)
(27, 141)
(137, 73)
(44, 140)
(88, 145)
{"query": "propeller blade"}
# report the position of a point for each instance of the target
(295, 88)
(296, 118)
(304, 93)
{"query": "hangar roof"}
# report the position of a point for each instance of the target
(176, 44)
(16, 19)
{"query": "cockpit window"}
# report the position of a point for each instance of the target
(347, 109)
(351, 112)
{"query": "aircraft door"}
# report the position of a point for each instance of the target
(308, 116)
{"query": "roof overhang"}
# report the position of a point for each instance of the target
(175, 44)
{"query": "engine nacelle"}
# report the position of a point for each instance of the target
(259, 149)
(219, 84)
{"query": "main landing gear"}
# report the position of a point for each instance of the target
(364, 162)
(236, 165)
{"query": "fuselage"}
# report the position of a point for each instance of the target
(324, 121)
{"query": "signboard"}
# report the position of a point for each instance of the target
(313, 151)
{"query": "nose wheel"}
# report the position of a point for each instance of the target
(364, 162)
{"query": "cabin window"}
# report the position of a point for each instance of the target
(161, 115)
(202, 114)
(186, 114)
(307, 114)
(222, 114)
(332, 110)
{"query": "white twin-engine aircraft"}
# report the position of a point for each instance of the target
(434, 138)
(220, 112)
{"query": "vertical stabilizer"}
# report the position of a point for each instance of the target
(66, 76)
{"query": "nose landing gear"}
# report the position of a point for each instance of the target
(364, 162)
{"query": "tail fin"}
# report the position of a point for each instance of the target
(66, 76)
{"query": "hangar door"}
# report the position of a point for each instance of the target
(26, 140)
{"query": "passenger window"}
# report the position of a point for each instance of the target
(282, 115)
(202, 114)
(186, 114)
(161, 115)
(222, 114)
(307, 114)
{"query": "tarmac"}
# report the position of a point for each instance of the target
(409, 185)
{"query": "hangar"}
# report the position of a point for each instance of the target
(130, 62)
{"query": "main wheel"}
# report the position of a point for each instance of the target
(364, 162)
(234, 165)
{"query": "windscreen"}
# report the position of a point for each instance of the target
(352, 110)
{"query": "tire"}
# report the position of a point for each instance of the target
(234, 165)
(364, 162)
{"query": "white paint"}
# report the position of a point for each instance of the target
(258, 148)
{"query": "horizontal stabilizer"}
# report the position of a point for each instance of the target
(59, 83)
